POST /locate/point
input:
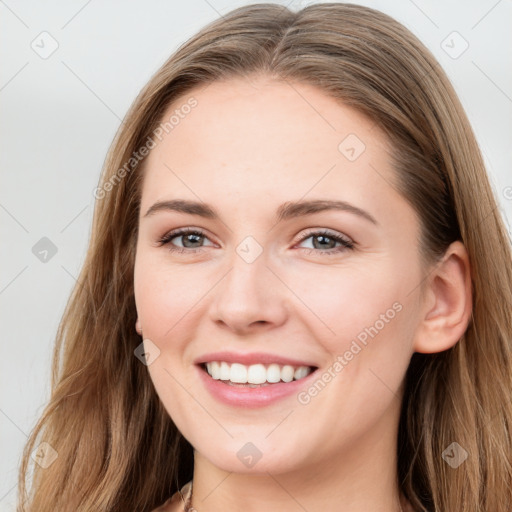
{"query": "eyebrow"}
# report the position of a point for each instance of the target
(286, 211)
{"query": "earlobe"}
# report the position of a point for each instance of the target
(447, 306)
(138, 327)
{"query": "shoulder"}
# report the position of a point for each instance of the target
(407, 506)
(175, 502)
(171, 505)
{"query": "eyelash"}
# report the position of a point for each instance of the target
(346, 244)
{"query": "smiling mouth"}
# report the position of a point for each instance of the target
(255, 375)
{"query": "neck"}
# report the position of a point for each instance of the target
(361, 477)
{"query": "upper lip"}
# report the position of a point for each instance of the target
(251, 358)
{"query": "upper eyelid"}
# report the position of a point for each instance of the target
(181, 232)
(322, 231)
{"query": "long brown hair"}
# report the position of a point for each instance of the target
(117, 448)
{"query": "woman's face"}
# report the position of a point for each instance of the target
(273, 280)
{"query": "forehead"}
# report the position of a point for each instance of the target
(259, 141)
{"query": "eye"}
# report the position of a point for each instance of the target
(325, 240)
(322, 239)
(189, 237)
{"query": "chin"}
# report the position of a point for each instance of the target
(253, 458)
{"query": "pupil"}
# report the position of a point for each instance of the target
(323, 237)
(186, 238)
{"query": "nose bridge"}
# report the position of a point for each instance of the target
(249, 293)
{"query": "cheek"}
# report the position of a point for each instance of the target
(165, 294)
(343, 302)
(165, 299)
(364, 320)
(366, 331)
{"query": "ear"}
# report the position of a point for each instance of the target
(138, 327)
(447, 302)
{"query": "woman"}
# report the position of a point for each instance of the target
(340, 336)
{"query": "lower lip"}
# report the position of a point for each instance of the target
(252, 397)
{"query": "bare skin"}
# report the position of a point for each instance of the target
(246, 148)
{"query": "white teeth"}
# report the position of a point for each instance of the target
(273, 373)
(287, 373)
(224, 371)
(238, 373)
(301, 372)
(255, 373)
(215, 369)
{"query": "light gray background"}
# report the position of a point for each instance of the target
(60, 114)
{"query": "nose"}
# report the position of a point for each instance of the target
(250, 297)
